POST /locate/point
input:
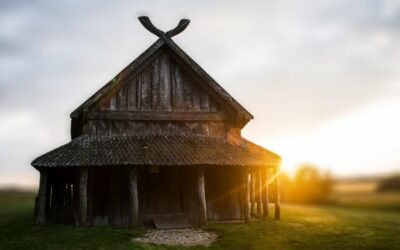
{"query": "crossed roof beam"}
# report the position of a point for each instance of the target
(183, 23)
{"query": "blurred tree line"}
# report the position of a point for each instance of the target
(389, 184)
(309, 186)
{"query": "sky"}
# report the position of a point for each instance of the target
(321, 78)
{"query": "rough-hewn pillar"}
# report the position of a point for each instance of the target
(133, 198)
(246, 195)
(258, 193)
(277, 196)
(265, 193)
(201, 196)
(41, 198)
(83, 183)
(252, 196)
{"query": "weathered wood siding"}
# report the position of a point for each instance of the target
(161, 86)
(167, 99)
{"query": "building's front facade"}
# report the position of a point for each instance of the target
(160, 141)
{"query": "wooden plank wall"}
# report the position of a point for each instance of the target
(163, 86)
(223, 193)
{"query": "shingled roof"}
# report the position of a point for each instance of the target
(157, 150)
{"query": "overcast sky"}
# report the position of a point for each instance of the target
(321, 78)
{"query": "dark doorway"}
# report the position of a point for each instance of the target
(163, 192)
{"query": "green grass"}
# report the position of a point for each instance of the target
(301, 227)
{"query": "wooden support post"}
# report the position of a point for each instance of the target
(258, 193)
(265, 193)
(277, 196)
(246, 195)
(83, 181)
(133, 198)
(48, 194)
(41, 198)
(201, 197)
(252, 196)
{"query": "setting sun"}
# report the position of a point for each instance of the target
(361, 141)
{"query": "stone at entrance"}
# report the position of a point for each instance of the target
(183, 237)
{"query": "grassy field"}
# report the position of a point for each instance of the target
(363, 194)
(301, 227)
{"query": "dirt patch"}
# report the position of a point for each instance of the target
(184, 237)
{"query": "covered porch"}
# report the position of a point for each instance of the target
(155, 177)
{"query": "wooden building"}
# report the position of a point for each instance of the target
(160, 141)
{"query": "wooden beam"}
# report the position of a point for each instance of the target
(201, 197)
(246, 195)
(277, 196)
(258, 193)
(265, 195)
(159, 116)
(41, 198)
(133, 198)
(252, 196)
(83, 183)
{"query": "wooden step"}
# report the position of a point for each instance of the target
(171, 223)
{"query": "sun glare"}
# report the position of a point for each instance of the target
(342, 144)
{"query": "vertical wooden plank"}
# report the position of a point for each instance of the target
(146, 89)
(187, 94)
(277, 196)
(204, 100)
(133, 198)
(178, 78)
(41, 198)
(93, 127)
(132, 95)
(155, 84)
(201, 196)
(122, 98)
(124, 175)
(265, 194)
(83, 179)
(90, 127)
(90, 194)
(196, 97)
(139, 92)
(258, 193)
(76, 174)
(48, 193)
(165, 83)
(173, 85)
(252, 196)
(213, 106)
(106, 105)
(114, 198)
(245, 194)
(114, 103)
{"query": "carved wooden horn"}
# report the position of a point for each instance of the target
(183, 23)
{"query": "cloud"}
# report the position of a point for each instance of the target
(293, 65)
